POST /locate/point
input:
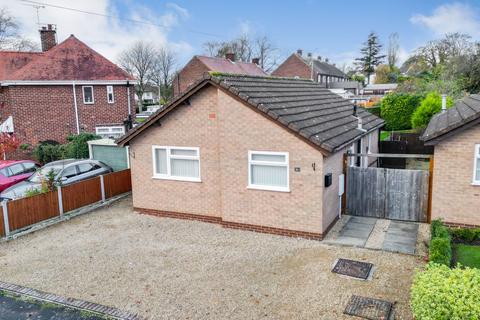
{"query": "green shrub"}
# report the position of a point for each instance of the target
(441, 293)
(431, 105)
(77, 146)
(467, 234)
(397, 109)
(438, 229)
(45, 153)
(374, 110)
(440, 251)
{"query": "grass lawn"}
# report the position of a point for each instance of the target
(468, 255)
(384, 135)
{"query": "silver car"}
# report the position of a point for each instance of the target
(65, 172)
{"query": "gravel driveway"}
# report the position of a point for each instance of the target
(173, 269)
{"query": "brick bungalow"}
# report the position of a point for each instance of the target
(455, 135)
(66, 89)
(297, 65)
(199, 65)
(255, 153)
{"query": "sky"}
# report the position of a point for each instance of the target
(332, 29)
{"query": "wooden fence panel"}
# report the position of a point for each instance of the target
(365, 192)
(407, 195)
(2, 228)
(31, 210)
(81, 194)
(117, 183)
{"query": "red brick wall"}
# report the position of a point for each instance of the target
(193, 71)
(293, 67)
(47, 112)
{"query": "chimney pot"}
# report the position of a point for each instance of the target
(256, 61)
(326, 60)
(319, 58)
(309, 54)
(48, 37)
(299, 52)
(230, 56)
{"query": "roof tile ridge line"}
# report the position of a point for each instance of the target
(287, 95)
(321, 131)
(464, 102)
(320, 123)
(302, 112)
(313, 125)
(475, 115)
(241, 78)
(288, 101)
(303, 100)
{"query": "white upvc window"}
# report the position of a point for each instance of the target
(268, 171)
(351, 159)
(110, 131)
(476, 166)
(110, 96)
(88, 95)
(176, 163)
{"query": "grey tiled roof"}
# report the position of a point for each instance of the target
(461, 114)
(303, 106)
(324, 67)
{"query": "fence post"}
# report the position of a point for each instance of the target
(102, 187)
(6, 225)
(60, 200)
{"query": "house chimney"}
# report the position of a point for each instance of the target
(230, 56)
(256, 61)
(319, 58)
(326, 60)
(300, 52)
(48, 37)
(444, 103)
(309, 55)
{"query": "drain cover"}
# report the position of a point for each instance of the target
(369, 308)
(352, 268)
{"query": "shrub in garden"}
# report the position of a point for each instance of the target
(397, 109)
(467, 234)
(77, 146)
(440, 250)
(431, 105)
(46, 152)
(441, 293)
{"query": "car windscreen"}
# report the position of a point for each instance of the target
(41, 174)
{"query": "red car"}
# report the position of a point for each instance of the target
(15, 171)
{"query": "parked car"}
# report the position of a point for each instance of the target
(15, 171)
(65, 172)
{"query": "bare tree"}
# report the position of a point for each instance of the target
(163, 72)
(245, 49)
(10, 39)
(393, 47)
(267, 53)
(441, 51)
(139, 60)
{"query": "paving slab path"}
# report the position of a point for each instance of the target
(373, 233)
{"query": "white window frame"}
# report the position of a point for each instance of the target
(110, 90)
(110, 130)
(351, 159)
(83, 93)
(268, 163)
(169, 175)
(476, 156)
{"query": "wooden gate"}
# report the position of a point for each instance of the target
(398, 194)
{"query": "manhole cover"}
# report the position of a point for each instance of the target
(352, 268)
(369, 308)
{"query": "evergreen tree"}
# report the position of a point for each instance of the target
(371, 56)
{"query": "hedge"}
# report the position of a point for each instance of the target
(397, 109)
(440, 250)
(467, 234)
(441, 293)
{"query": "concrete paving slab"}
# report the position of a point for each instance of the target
(401, 237)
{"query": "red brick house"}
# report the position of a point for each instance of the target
(297, 65)
(256, 153)
(199, 65)
(455, 135)
(66, 89)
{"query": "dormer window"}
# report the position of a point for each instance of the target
(88, 94)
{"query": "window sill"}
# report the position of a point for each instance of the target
(265, 188)
(88, 102)
(177, 178)
(475, 184)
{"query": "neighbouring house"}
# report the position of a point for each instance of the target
(256, 153)
(298, 66)
(455, 135)
(199, 65)
(150, 95)
(65, 89)
(353, 87)
(380, 89)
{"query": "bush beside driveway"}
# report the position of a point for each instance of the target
(166, 268)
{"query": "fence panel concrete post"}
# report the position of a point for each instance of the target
(6, 225)
(60, 200)
(102, 187)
